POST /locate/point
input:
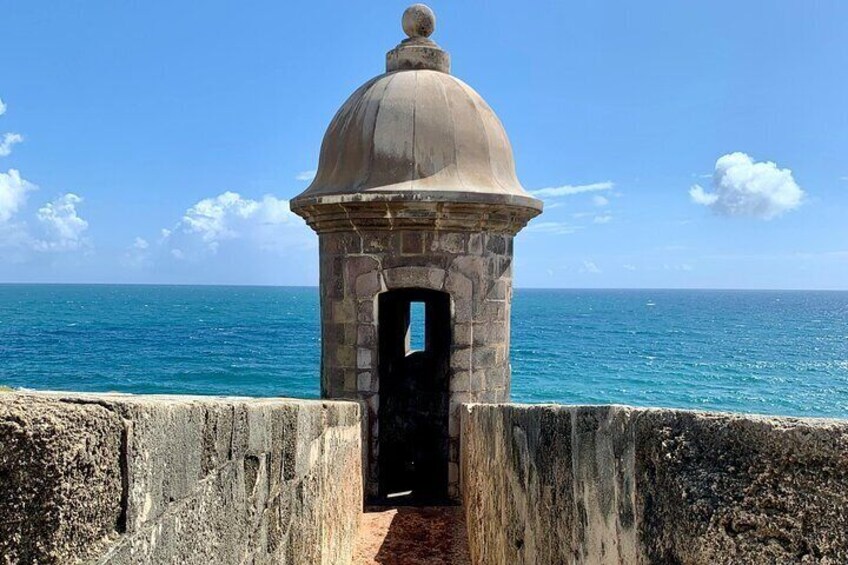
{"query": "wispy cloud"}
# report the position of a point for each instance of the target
(590, 267)
(9, 139)
(569, 189)
(742, 187)
(556, 228)
(605, 219)
(683, 267)
(137, 255)
(600, 201)
(306, 175)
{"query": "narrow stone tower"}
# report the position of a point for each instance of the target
(415, 203)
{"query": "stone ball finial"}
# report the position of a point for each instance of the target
(418, 21)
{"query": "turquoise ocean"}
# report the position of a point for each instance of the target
(770, 352)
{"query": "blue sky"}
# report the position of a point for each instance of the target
(159, 143)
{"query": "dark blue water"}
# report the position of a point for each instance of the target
(770, 352)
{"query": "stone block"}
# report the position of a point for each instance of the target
(472, 267)
(363, 358)
(366, 336)
(449, 242)
(462, 335)
(499, 289)
(484, 357)
(350, 383)
(414, 277)
(460, 381)
(459, 286)
(345, 356)
(357, 265)
(500, 267)
(491, 311)
(340, 243)
(461, 359)
(475, 243)
(365, 311)
(368, 285)
(489, 333)
(344, 311)
(60, 479)
(412, 242)
(462, 311)
(496, 244)
(376, 241)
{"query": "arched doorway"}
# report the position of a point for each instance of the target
(415, 340)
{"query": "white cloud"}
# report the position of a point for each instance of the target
(58, 225)
(605, 219)
(13, 193)
(9, 139)
(600, 201)
(306, 175)
(590, 267)
(265, 224)
(629, 267)
(137, 255)
(742, 187)
(568, 189)
(63, 228)
(558, 228)
(2, 107)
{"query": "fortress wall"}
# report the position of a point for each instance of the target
(170, 479)
(612, 484)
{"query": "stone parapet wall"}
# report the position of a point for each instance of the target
(474, 268)
(153, 479)
(610, 484)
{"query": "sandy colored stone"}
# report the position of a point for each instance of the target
(613, 484)
(60, 479)
(123, 479)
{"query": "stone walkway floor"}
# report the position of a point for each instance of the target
(412, 536)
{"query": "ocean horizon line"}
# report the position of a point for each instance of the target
(315, 286)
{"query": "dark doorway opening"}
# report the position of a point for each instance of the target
(415, 338)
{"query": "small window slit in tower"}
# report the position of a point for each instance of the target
(417, 331)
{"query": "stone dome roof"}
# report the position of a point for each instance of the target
(416, 133)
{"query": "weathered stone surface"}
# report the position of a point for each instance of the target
(60, 479)
(475, 269)
(558, 484)
(179, 479)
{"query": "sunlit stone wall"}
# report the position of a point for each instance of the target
(124, 479)
(611, 484)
